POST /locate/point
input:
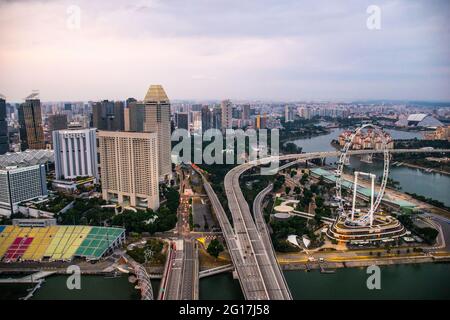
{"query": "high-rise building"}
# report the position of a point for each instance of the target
(153, 115)
(196, 117)
(288, 114)
(57, 122)
(182, 120)
(261, 121)
(30, 121)
(4, 144)
(206, 118)
(245, 112)
(217, 118)
(129, 168)
(75, 153)
(227, 114)
(18, 184)
(108, 115)
(196, 107)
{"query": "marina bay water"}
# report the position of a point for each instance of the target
(412, 281)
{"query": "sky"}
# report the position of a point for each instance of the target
(287, 50)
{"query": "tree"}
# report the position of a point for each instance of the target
(319, 201)
(215, 248)
(287, 190)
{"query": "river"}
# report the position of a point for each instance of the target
(432, 185)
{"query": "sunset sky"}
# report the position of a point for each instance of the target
(246, 49)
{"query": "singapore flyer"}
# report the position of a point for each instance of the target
(352, 216)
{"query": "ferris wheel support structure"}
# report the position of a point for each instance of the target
(343, 159)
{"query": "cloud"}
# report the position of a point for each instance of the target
(203, 49)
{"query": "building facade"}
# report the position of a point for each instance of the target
(206, 118)
(227, 114)
(153, 115)
(288, 114)
(57, 122)
(30, 121)
(18, 184)
(217, 118)
(182, 120)
(245, 112)
(75, 153)
(129, 168)
(4, 144)
(108, 115)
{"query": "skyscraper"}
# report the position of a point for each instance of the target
(4, 145)
(153, 115)
(30, 121)
(206, 118)
(75, 153)
(217, 118)
(182, 120)
(108, 115)
(196, 117)
(227, 114)
(57, 122)
(129, 168)
(245, 112)
(288, 114)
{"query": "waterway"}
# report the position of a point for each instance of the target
(432, 185)
(412, 281)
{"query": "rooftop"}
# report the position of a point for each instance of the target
(156, 93)
(26, 158)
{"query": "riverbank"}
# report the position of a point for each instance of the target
(428, 170)
(357, 263)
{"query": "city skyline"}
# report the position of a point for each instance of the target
(257, 51)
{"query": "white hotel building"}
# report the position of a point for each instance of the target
(75, 153)
(19, 184)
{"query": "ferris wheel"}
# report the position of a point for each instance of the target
(363, 219)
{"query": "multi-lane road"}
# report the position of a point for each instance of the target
(180, 278)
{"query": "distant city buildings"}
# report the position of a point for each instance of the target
(419, 120)
(4, 143)
(21, 184)
(217, 118)
(288, 114)
(182, 120)
(261, 121)
(206, 118)
(227, 115)
(75, 153)
(30, 121)
(441, 133)
(129, 168)
(108, 115)
(57, 122)
(366, 140)
(245, 114)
